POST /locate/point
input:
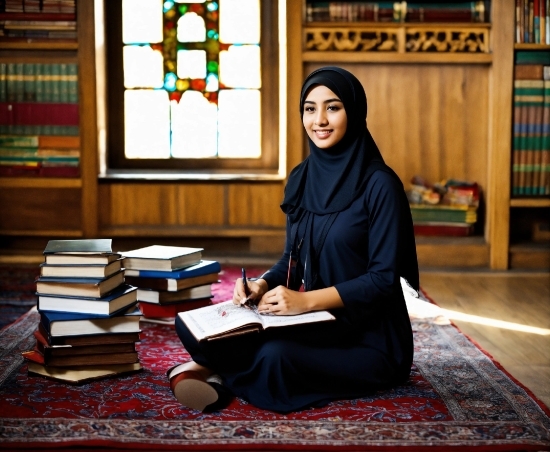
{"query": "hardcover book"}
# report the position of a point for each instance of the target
(74, 324)
(122, 297)
(169, 284)
(81, 374)
(88, 339)
(227, 319)
(160, 257)
(82, 360)
(170, 310)
(81, 270)
(204, 267)
(79, 287)
(83, 246)
(162, 296)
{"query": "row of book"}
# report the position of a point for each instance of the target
(39, 82)
(38, 6)
(360, 11)
(90, 310)
(448, 208)
(532, 21)
(531, 125)
(39, 155)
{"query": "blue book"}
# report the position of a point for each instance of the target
(204, 267)
(118, 300)
(75, 324)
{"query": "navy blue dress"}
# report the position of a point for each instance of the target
(370, 346)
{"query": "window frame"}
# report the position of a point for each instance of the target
(268, 163)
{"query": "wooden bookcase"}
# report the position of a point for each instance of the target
(435, 114)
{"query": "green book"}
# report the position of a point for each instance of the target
(63, 83)
(19, 82)
(10, 82)
(18, 152)
(532, 57)
(56, 82)
(40, 94)
(73, 83)
(47, 82)
(3, 82)
(29, 82)
(19, 141)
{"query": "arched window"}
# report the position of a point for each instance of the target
(193, 85)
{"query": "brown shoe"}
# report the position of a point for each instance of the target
(192, 390)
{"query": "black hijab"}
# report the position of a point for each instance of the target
(328, 180)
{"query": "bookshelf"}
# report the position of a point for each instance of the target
(53, 206)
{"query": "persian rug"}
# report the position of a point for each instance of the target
(457, 398)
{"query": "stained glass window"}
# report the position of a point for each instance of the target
(192, 79)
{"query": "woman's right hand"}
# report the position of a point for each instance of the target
(256, 287)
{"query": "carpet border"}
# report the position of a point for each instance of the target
(539, 402)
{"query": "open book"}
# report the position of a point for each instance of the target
(227, 319)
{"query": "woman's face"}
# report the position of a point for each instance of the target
(324, 117)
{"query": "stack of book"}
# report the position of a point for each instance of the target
(532, 21)
(39, 155)
(531, 143)
(89, 318)
(170, 279)
(446, 209)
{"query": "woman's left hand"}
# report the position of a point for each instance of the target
(283, 301)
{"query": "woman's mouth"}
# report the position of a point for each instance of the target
(322, 133)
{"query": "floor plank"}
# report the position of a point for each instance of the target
(520, 298)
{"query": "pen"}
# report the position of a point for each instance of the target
(246, 288)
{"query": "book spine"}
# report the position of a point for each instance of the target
(19, 82)
(536, 21)
(544, 184)
(47, 82)
(73, 83)
(542, 21)
(3, 82)
(39, 82)
(41, 114)
(63, 83)
(10, 82)
(56, 82)
(29, 82)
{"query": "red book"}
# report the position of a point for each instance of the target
(154, 310)
(36, 114)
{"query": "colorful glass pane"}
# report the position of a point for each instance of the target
(191, 64)
(239, 123)
(240, 67)
(141, 21)
(194, 126)
(236, 13)
(147, 124)
(142, 67)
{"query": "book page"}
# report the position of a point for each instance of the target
(286, 320)
(217, 319)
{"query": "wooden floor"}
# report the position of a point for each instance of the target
(518, 298)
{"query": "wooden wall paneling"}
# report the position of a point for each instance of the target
(500, 148)
(150, 204)
(255, 205)
(428, 120)
(88, 116)
(52, 211)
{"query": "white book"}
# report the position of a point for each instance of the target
(227, 319)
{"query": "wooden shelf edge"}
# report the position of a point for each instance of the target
(375, 25)
(184, 231)
(530, 46)
(40, 45)
(42, 233)
(395, 57)
(530, 202)
(39, 182)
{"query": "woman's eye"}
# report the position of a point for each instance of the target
(333, 108)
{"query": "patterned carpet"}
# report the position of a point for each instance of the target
(457, 399)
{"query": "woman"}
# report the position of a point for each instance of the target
(349, 239)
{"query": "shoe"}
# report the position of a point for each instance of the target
(194, 391)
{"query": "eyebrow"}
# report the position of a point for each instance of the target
(328, 101)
